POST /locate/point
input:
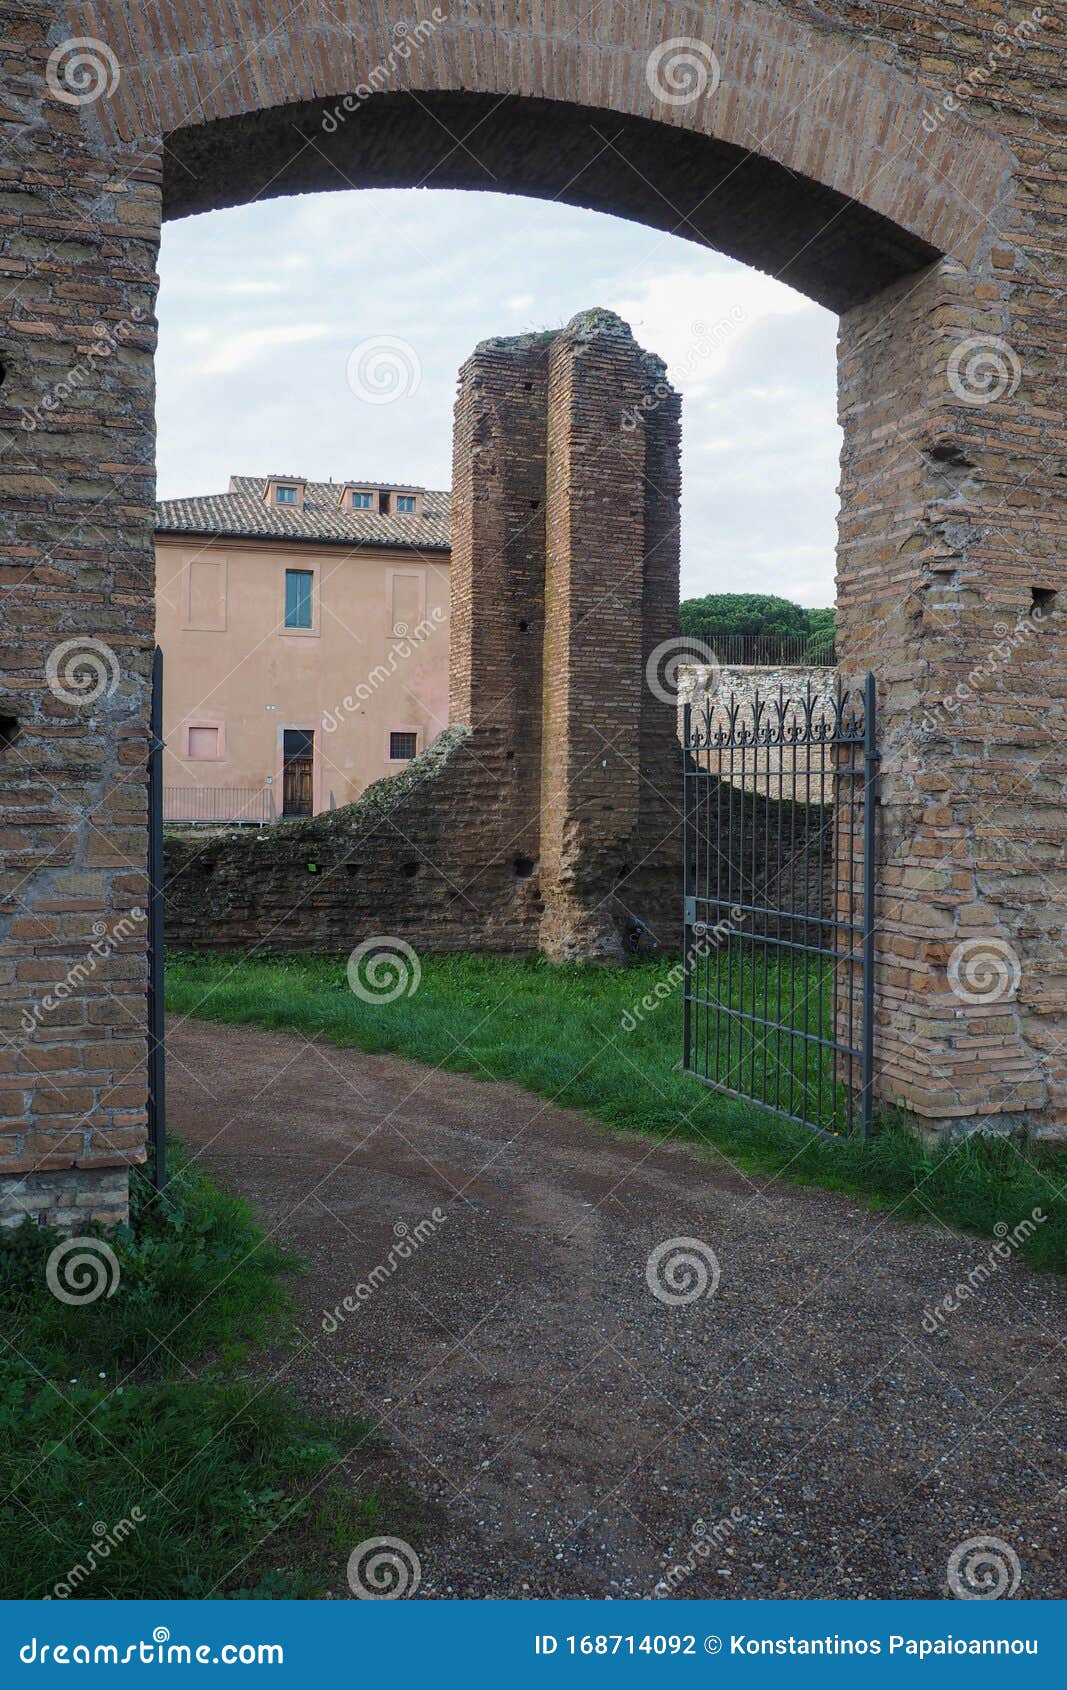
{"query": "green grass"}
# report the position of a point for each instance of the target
(787, 1071)
(136, 1411)
(577, 1034)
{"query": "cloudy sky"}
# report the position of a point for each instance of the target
(278, 320)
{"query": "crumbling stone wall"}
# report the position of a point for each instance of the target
(832, 146)
(409, 860)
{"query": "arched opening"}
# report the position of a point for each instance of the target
(772, 135)
(737, 200)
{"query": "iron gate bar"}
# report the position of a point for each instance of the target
(157, 1066)
(761, 855)
(871, 763)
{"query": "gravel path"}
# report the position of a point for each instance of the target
(550, 1427)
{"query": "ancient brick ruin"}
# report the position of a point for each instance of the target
(897, 164)
(548, 817)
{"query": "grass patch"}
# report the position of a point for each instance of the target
(137, 1459)
(559, 1030)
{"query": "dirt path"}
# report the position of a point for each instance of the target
(564, 1430)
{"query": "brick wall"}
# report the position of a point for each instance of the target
(409, 859)
(80, 225)
(826, 151)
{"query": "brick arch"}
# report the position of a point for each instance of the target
(814, 149)
(802, 154)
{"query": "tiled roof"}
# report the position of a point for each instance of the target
(243, 514)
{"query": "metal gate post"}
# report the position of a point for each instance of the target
(870, 811)
(687, 799)
(157, 1113)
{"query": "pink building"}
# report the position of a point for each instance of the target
(304, 627)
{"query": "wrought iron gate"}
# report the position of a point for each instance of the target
(780, 806)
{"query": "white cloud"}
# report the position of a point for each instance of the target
(230, 353)
(755, 362)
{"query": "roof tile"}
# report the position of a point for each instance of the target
(242, 514)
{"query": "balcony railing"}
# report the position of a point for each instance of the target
(771, 651)
(219, 806)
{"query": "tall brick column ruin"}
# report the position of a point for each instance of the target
(565, 582)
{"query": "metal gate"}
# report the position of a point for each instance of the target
(157, 1070)
(780, 806)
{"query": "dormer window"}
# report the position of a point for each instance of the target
(405, 504)
(282, 492)
(357, 498)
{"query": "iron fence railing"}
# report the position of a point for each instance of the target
(219, 805)
(780, 814)
(769, 651)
